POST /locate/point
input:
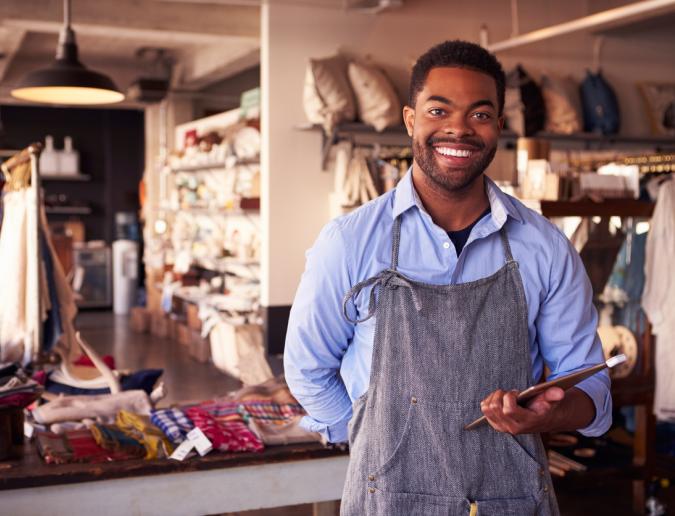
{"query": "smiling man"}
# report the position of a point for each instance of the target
(437, 302)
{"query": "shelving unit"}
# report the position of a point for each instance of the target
(637, 389)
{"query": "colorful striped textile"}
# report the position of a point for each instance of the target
(269, 412)
(140, 428)
(173, 422)
(115, 440)
(73, 446)
(226, 431)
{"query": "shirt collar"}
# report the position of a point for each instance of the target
(501, 204)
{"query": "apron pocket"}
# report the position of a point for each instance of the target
(404, 504)
(427, 452)
(526, 506)
(399, 452)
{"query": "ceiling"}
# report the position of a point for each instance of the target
(208, 42)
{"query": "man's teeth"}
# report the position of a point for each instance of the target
(457, 153)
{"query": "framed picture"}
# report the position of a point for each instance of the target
(660, 102)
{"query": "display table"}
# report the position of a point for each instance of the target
(217, 483)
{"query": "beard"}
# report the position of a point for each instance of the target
(452, 179)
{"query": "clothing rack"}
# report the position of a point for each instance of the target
(16, 178)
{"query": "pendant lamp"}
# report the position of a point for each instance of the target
(67, 81)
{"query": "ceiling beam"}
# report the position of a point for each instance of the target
(604, 20)
(232, 20)
(149, 35)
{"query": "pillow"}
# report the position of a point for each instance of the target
(524, 108)
(328, 98)
(376, 99)
(563, 107)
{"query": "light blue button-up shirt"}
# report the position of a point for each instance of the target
(327, 359)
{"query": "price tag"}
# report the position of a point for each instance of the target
(200, 441)
(183, 450)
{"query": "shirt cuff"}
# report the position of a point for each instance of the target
(598, 391)
(335, 433)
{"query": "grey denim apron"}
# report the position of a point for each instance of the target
(438, 351)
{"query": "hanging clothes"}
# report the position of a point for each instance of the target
(15, 327)
(658, 298)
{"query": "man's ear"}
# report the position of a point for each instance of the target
(500, 120)
(409, 119)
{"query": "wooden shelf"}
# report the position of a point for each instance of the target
(59, 177)
(68, 210)
(606, 208)
(221, 165)
(344, 131)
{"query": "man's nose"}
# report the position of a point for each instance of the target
(457, 126)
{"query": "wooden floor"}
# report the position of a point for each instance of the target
(187, 379)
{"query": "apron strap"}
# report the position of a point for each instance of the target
(395, 242)
(385, 278)
(506, 245)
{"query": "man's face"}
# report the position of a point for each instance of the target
(454, 126)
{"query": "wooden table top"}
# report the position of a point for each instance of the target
(31, 470)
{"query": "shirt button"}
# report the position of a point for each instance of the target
(413, 399)
(545, 489)
(371, 490)
(446, 245)
(371, 477)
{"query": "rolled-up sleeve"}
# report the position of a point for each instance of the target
(318, 336)
(566, 331)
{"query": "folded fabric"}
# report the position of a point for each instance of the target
(276, 424)
(288, 432)
(76, 408)
(144, 379)
(140, 428)
(268, 412)
(19, 399)
(173, 422)
(112, 439)
(73, 446)
(227, 433)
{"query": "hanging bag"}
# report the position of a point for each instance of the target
(600, 107)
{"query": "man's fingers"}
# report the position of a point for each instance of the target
(554, 394)
(510, 402)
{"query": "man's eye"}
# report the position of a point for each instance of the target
(482, 116)
(436, 111)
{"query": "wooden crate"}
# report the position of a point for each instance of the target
(193, 321)
(159, 325)
(200, 348)
(140, 319)
(183, 334)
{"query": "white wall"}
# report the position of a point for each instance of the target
(295, 191)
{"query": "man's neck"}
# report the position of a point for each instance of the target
(452, 211)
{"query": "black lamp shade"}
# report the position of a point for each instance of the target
(67, 82)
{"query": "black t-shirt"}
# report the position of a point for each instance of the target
(460, 237)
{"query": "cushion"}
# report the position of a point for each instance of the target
(328, 98)
(563, 106)
(376, 99)
(524, 108)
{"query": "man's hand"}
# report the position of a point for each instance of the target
(552, 410)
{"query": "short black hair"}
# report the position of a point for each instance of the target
(459, 54)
